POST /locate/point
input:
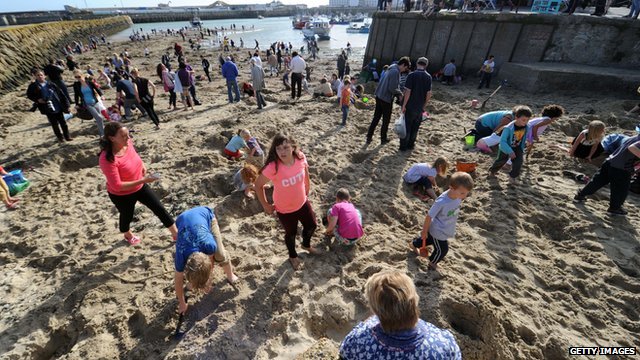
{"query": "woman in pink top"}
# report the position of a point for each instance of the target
(127, 180)
(287, 168)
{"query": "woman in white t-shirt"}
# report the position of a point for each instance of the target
(486, 70)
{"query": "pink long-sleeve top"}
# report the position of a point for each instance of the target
(124, 168)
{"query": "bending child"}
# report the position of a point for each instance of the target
(344, 220)
(512, 143)
(440, 222)
(237, 142)
(587, 145)
(422, 176)
(198, 246)
(245, 178)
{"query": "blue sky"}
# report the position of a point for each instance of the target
(35, 5)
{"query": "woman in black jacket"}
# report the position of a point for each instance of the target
(89, 96)
(51, 101)
(146, 98)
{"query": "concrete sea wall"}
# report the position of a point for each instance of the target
(516, 38)
(22, 47)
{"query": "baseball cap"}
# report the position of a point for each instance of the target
(423, 60)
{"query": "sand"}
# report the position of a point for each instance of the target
(528, 275)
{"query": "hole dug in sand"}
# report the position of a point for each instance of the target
(79, 161)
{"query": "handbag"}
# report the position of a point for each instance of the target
(400, 127)
(83, 113)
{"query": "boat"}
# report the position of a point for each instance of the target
(319, 27)
(359, 27)
(196, 22)
(260, 17)
(299, 23)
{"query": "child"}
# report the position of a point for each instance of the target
(440, 222)
(237, 142)
(114, 113)
(256, 155)
(537, 126)
(424, 176)
(449, 72)
(344, 220)
(512, 143)
(359, 91)
(587, 144)
(245, 178)
(198, 246)
(345, 100)
(247, 89)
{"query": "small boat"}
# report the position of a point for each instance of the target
(300, 22)
(196, 22)
(318, 27)
(359, 27)
(260, 17)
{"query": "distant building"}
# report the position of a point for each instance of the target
(345, 3)
(368, 3)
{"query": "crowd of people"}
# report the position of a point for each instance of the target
(395, 330)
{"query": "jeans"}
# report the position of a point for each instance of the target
(345, 113)
(260, 99)
(412, 120)
(128, 103)
(516, 163)
(383, 110)
(485, 80)
(126, 205)
(289, 222)
(619, 181)
(296, 80)
(148, 106)
(95, 112)
(635, 9)
(57, 122)
(233, 84)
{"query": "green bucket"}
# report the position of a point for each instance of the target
(470, 140)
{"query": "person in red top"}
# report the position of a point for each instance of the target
(345, 100)
(287, 168)
(127, 180)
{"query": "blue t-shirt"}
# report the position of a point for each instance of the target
(444, 215)
(492, 119)
(236, 143)
(127, 87)
(87, 95)
(419, 82)
(424, 342)
(194, 235)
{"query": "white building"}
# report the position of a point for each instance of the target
(368, 3)
(345, 3)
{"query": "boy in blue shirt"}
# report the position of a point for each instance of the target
(440, 222)
(199, 244)
(512, 143)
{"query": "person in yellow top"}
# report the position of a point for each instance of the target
(486, 71)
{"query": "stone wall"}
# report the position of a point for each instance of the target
(22, 47)
(518, 38)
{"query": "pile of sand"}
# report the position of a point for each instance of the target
(528, 275)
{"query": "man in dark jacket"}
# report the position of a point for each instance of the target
(54, 72)
(51, 102)
(417, 93)
(342, 62)
(205, 67)
(388, 88)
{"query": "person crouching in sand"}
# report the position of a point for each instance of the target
(423, 176)
(287, 168)
(199, 245)
(344, 221)
(440, 222)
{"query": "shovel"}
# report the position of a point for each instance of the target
(502, 83)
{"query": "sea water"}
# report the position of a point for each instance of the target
(266, 31)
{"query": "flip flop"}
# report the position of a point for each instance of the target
(133, 241)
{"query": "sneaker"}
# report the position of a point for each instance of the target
(619, 211)
(579, 198)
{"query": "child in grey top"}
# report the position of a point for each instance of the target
(440, 222)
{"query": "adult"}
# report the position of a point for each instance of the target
(52, 102)
(166, 60)
(146, 97)
(168, 83)
(616, 171)
(491, 122)
(324, 89)
(177, 49)
(288, 169)
(388, 88)
(272, 61)
(417, 92)
(184, 77)
(54, 71)
(126, 92)
(341, 64)
(89, 96)
(298, 66)
(205, 67)
(256, 58)
(486, 71)
(257, 78)
(127, 180)
(395, 331)
(192, 86)
(198, 247)
(71, 64)
(230, 73)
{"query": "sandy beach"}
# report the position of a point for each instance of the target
(529, 274)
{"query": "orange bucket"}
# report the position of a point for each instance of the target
(467, 167)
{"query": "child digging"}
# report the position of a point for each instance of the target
(512, 144)
(245, 178)
(198, 246)
(440, 222)
(422, 176)
(344, 220)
